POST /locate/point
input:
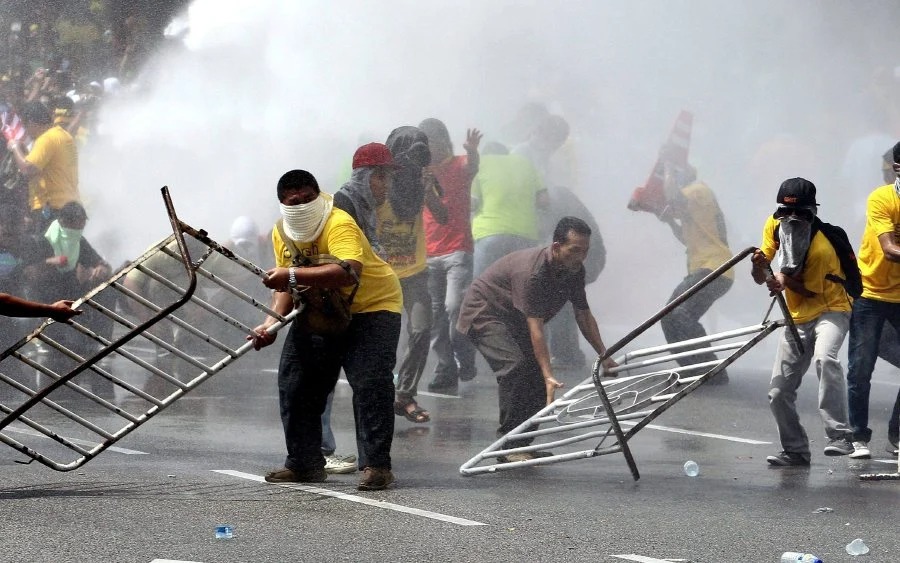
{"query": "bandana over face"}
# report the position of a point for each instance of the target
(304, 222)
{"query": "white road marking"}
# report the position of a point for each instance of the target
(704, 434)
(642, 559)
(356, 498)
(172, 561)
(88, 443)
(890, 461)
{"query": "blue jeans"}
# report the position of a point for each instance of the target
(866, 327)
(308, 371)
(448, 278)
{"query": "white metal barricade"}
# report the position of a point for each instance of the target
(611, 411)
(158, 328)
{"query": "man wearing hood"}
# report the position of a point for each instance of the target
(310, 363)
(401, 233)
(449, 246)
(820, 308)
(370, 181)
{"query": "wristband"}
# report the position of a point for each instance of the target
(292, 278)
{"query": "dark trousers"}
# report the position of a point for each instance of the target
(866, 330)
(521, 390)
(683, 322)
(308, 371)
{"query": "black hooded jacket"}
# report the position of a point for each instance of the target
(409, 147)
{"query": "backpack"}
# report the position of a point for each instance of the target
(325, 311)
(852, 280)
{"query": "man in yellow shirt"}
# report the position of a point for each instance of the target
(820, 308)
(311, 362)
(51, 165)
(694, 216)
(879, 263)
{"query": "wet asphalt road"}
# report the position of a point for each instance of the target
(163, 503)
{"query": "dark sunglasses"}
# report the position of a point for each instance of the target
(802, 213)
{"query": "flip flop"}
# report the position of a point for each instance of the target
(417, 415)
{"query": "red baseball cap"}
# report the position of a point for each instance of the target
(373, 154)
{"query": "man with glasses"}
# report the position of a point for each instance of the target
(820, 308)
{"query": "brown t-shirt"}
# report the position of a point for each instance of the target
(520, 285)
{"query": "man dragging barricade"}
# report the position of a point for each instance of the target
(504, 313)
(812, 276)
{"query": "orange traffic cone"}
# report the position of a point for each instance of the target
(651, 197)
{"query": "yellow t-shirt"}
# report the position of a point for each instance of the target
(54, 154)
(820, 260)
(379, 288)
(880, 278)
(700, 229)
(404, 241)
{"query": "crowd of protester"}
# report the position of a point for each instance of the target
(475, 252)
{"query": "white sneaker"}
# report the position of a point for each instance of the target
(336, 464)
(861, 450)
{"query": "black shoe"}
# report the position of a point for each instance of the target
(444, 386)
(468, 375)
(285, 475)
(785, 459)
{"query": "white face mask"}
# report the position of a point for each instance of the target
(304, 222)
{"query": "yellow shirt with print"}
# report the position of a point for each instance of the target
(700, 230)
(880, 277)
(54, 154)
(379, 288)
(404, 241)
(820, 261)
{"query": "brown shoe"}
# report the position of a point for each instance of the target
(285, 475)
(375, 479)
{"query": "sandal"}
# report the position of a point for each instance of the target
(417, 415)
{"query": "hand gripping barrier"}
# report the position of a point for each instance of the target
(154, 331)
(614, 410)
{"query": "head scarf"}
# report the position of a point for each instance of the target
(304, 222)
(359, 191)
(409, 146)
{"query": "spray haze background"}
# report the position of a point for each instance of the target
(256, 88)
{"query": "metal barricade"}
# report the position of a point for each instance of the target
(614, 410)
(154, 331)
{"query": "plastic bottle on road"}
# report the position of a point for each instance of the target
(797, 557)
(224, 532)
(691, 469)
(857, 547)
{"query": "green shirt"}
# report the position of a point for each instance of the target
(506, 188)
